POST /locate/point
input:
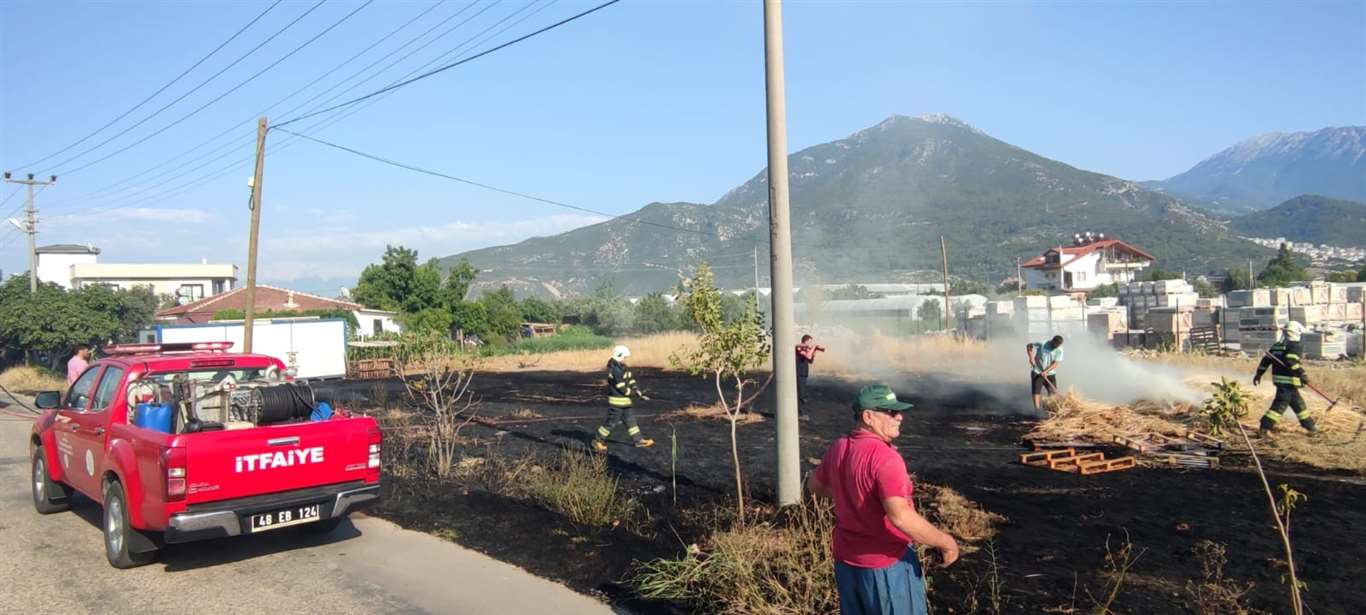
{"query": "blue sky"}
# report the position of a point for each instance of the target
(644, 101)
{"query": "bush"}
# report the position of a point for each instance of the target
(573, 338)
(581, 488)
(783, 565)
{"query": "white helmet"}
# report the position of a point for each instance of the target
(1293, 331)
(621, 352)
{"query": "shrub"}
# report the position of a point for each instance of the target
(581, 488)
(782, 565)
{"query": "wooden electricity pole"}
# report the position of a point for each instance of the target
(250, 320)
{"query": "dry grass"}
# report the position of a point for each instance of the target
(25, 379)
(581, 487)
(957, 515)
(649, 351)
(847, 356)
(714, 412)
(1071, 418)
(1217, 594)
(1339, 379)
(781, 566)
(525, 413)
(1340, 445)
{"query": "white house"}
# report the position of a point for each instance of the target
(55, 261)
(75, 266)
(1090, 262)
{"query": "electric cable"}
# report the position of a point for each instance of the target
(454, 64)
(163, 88)
(417, 169)
(224, 94)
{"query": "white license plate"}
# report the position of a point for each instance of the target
(286, 517)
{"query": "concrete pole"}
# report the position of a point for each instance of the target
(780, 258)
(944, 252)
(32, 223)
(250, 320)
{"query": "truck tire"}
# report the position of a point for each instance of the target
(44, 487)
(118, 533)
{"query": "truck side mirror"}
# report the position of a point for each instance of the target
(48, 400)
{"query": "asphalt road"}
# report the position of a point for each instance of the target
(55, 564)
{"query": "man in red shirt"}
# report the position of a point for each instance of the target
(876, 568)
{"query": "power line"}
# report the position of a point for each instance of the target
(225, 94)
(168, 172)
(173, 172)
(161, 89)
(195, 88)
(11, 195)
(326, 122)
(462, 180)
(453, 64)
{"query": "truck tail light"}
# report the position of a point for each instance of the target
(376, 438)
(173, 462)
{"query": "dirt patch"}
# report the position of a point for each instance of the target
(1048, 553)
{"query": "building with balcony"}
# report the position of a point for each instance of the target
(1090, 262)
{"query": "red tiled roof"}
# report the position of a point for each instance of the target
(1076, 252)
(268, 298)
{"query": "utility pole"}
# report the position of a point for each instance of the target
(255, 228)
(944, 252)
(1251, 281)
(30, 225)
(756, 275)
(1019, 278)
(780, 260)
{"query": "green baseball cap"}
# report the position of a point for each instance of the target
(878, 396)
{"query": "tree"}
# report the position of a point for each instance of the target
(929, 310)
(1236, 279)
(968, 287)
(1361, 275)
(536, 310)
(854, 292)
(429, 320)
(1104, 290)
(726, 350)
(52, 321)
(436, 377)
(1344, 276)
(1224, 410)
(1155, 275)
(1205, 289)
(1282, 270)
(457, 284)
(385, 286)
(654, 314)
(504, 315)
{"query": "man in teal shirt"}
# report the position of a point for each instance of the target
(1044, 358)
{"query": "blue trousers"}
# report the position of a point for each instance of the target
(898, 589)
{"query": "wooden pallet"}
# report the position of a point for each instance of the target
(1041, 458)
(1205, 439)
(1069, 460)
(1204, 338)
(1175, 459)
(1107, 465)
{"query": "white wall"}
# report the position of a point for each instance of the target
(316, 348)
(56, 268)
(366, 320)
(161, 286)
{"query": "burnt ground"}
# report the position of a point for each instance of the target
(1050, 555)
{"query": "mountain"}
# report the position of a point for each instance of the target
(1269, 169)
(870, 208)
(1311, 218)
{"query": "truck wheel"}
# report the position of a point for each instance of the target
(320, 528)
(118, 533)
(44, 487)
